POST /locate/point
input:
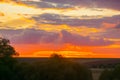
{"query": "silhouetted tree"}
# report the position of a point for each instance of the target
(7, 62)
(54, 68)
(116, 73)
(106, 75)
(6, 50)
(25, 71)
(111, 74)
(59, 68)
(6, 53)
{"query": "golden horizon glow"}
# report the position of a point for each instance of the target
(67, 50)
(70, 54)
(95, 29)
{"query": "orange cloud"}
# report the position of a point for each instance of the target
(82, 30)
(1, 14)
(109, 25)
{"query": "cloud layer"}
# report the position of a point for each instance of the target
(81, 27)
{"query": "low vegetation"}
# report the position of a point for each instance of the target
(55, 68)
(111, 74)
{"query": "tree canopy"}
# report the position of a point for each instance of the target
(54, 68)
(6, 50)
(111, 74)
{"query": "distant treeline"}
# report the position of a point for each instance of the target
(54, 68)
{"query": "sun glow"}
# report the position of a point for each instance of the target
(97, 28)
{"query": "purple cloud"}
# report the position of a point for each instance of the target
(58, 20)
(30, 36)
(111, 4)
(83, 41)
(118, 26)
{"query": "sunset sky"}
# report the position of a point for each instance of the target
(72, 28)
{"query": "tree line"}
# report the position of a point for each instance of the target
(54, 68)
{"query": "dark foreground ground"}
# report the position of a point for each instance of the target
(97, 65)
